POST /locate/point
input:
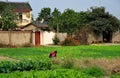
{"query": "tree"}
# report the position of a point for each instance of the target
(69, 21)
(103, 23)
(55, 19)
(2, 7)
(8, 19)
(82, 19)
(45, 14)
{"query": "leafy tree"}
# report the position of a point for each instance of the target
(102, 21)
(69, 21)
(82, 19)
(2, 7)
(8, 19)
(55, 19)
(45, 14)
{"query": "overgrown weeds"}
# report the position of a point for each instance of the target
(96, 67)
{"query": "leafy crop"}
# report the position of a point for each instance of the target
(81, 56)
(27, 65)
(94, 71)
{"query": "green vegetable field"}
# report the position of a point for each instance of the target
(72, 62)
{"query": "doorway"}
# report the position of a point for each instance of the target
(107, 37)
(37, 38)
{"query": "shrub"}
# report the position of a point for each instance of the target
(94, 71)
(56, 40)
(69, 41)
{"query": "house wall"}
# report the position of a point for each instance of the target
(19, 38)
(61, 36)
(46, 37)
(116, 37)
(4, 37)
(15, 37)
(93, 38)
(25, 18)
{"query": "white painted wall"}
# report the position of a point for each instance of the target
(46, 37)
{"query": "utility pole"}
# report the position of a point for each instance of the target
(57, 28)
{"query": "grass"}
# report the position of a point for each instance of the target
(75, 51)
(74, 58)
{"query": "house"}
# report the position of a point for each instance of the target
(23, 11)
(36, 32)
(42, 35)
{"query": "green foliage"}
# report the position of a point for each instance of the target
(94, 71)
(2, 6)
(59, 73)
(8, 19)
(26, 65)
(44, 14)
(102, 21)
(69, 21)
(6, 67)
(56, 40)
(41, 54)
(55, 19)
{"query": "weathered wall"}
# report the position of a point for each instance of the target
(4, 37)
(116, 37)
(15, 37)
(62, 36)
(47, 37)
(19, 38)
(25, 20)
(93, 38)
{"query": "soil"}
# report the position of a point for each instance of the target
(5, 58)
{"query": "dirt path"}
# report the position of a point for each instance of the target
(106, 44)
(5, 58)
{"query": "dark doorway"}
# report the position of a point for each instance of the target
(107, 37)
(37, 38)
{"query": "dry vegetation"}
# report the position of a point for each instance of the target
(5, 58)
(108, 65)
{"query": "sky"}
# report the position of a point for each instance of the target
(111, 6)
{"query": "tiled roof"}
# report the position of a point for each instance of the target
(19, 6)
(39, 24)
